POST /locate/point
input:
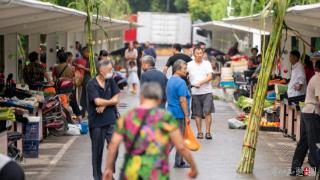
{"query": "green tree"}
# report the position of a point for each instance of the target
(111, 8)
(219, 10)
(139, 5)
(201, 9)
(181, 5)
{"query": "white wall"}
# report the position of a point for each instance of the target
(256, 41)
(63, 40)
(34, 42)
(285, 57)
(224, 40)
(51, 50)
(10, 54)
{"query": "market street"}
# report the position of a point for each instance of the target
(69, 157)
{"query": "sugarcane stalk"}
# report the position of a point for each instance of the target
(251, 135)
(89, 35)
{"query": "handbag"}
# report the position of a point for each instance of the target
(126, 158)
(63, 85)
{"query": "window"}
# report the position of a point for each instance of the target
(294, 43)
(1, 53)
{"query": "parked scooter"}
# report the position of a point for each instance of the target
(54, 115)
(13, 151)
(13, 137)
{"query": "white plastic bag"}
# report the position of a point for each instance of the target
(236, 124)
(73, 130)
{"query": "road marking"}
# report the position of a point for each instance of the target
(63, 150)
(57, 157)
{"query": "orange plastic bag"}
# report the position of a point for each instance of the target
(50, 90)
(64, 99)
(190, 140)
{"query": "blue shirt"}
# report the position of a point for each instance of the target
(94, 90)
(150, 52)
(176, 88)
(154, 75)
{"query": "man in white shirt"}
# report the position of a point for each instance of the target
(297, 84)
(200, 76)
(310, 127)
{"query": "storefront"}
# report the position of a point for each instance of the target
(302, 18)
(224, 35)
(302, 34)
(52, 26)
(30, 25)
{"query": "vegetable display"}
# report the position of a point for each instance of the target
(7, 114)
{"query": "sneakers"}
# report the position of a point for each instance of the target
(296, 173)
(183, 165)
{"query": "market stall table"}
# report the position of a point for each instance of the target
(291, 119)
(3, 142)
(297, 124)
(284, 116)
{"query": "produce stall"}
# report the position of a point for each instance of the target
(231, 74)
(281, 114)
(274, 117)
(20, 123)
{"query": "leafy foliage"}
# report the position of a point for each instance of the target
(112, 8)
(204, 10)
(217, 9)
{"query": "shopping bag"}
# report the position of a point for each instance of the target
(190, 140)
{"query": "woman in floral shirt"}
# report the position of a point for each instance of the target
(148, 156)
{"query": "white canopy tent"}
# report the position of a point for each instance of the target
(303, 18)
(62, 26)
(31, 16)
(225, 34)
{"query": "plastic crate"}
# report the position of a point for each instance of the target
(84, 127)
(31, 148)
(31, 131)
(227, 84)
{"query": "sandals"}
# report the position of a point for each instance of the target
(208, 136)
(200, 136)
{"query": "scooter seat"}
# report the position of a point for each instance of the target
(14, 136)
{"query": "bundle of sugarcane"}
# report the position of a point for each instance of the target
(279, 8)
(89, 9)
(7, 114)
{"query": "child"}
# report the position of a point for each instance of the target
(133, 76)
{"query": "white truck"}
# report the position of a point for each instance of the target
(167, 28)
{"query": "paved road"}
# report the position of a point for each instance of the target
(69, 158)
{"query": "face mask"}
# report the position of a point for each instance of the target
(108, 76)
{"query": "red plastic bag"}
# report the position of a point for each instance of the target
(190, 140)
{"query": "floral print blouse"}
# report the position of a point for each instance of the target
(149, 157)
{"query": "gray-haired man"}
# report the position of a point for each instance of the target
(151, 74)
(102, 97)
(179, 101)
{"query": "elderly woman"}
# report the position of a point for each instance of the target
(147, 132)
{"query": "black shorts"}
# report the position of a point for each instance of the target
(202, 105)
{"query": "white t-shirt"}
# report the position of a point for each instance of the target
(312, 104)
(198, 72)
(298, 76)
